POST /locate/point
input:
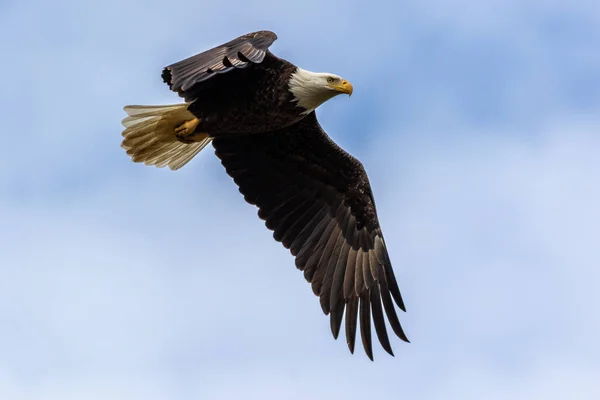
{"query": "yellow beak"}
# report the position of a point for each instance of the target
(345, 87)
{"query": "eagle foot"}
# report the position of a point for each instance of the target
(185, 131)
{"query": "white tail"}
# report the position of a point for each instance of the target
(149, 135)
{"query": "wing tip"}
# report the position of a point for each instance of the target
(272, 36)
(167, 76)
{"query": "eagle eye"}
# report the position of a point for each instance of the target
(330, 79)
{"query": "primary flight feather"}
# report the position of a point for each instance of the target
(258, 111)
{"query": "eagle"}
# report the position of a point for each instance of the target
(258, 111)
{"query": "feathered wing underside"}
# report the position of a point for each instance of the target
(317, 200)
(238, 53)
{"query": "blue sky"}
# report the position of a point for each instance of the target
(477, 123)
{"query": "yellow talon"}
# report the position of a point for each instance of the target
(184, 131)
(187, 127)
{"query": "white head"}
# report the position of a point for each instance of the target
(311, 89)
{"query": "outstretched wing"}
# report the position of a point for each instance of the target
(317, 200)
(236, 54)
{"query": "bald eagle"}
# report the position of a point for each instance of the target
(258, 111)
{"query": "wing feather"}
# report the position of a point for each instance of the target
(378, 320)
(238, 53)
(350, 273)
(365, 323)
(320, 276)
(302, 245)
(317, 251)
(351, 318)
(337, 296)
(301, 224)
(291, 220)
(318, 202)
(327, 281)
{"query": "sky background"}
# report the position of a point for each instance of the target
(478, 124)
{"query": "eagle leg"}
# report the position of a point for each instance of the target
(185, 132)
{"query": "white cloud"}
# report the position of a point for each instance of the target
(548, 380)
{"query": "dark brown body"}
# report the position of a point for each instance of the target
(256, 99)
